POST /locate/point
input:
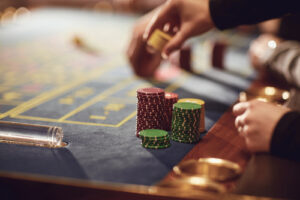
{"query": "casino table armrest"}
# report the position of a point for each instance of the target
(45, 187)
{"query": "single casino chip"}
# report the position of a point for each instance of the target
(182, 134)
(157, 41)
(186, 126)
(156, 147)
(171, 96)
(187, 106)
(184, 140)
(154, 134)
(185, 130)
(155, 143)
(151, 91)
(186, 120)
(192, 100)
(161, 140)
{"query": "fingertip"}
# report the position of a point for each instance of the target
(145, 36)
(168, 49)
(176, 42)
(239, 108)
(235, 108)
(164, 55)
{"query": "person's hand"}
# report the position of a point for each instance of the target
(261, 49)
(256, 121)
(142, 62)
(191, 17)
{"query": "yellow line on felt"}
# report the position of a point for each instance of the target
(11, 103)
(88, 123)
(66, 121)
(44, 119)
(98, 117)
(170, 88)
(55, 92)
(98, 98)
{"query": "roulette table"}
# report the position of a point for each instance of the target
(67, 68)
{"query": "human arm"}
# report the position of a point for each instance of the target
(195, 17)
(231, 13)
(198, 16)
(286, 137)
(281, 58)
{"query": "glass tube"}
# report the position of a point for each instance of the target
(31, 134)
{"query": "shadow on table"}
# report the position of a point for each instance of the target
(39, 160)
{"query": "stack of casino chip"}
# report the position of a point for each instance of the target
(150, 109)
(202, 104)
(170, 99)
(155, 139)
(185, 122)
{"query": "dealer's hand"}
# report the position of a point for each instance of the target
(256, 121)
(192, 17)
(142, 62)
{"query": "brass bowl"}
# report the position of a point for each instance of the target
(211, 168)
(190, 184)
(267, 94)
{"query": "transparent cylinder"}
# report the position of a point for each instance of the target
(31, 134)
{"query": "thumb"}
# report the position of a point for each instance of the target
(176, 42)
(161, 16)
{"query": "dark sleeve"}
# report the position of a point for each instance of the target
(231, 13)
(286, 137)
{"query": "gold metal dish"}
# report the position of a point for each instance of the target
(189, 184)
(211, 168)
(267, 94)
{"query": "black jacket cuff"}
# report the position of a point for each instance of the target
(285, 141)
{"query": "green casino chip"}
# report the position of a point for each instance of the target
(186, 112)
(185, 125)
(192, 138)
(184, 140)
(156, 147)
(156, 140)
(156, 143)
(185, 129)
(185, 133)
(153, 134)
(186, 120)
(186, 106)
